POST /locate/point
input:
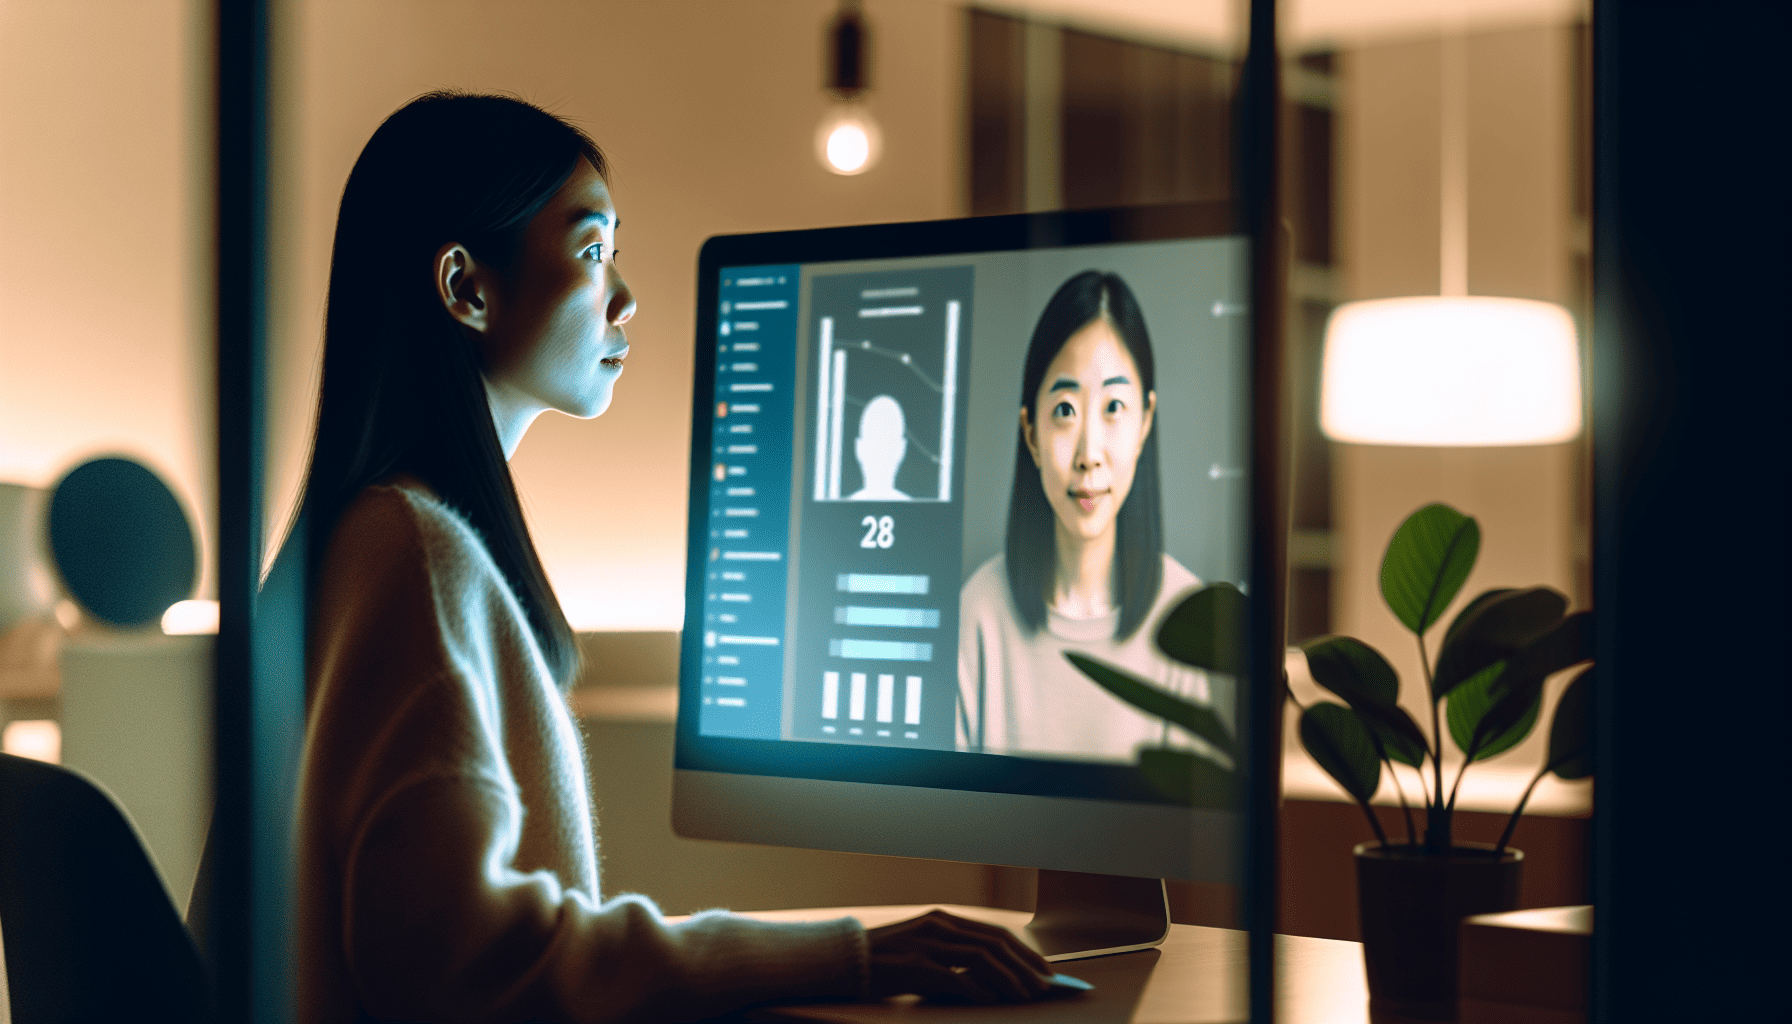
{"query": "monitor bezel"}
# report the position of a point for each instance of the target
(821, 761)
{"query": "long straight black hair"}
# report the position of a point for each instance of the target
(1139, 542)
(402, 388)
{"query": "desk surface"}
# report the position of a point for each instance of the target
(1196, 977)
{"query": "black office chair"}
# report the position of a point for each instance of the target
(90, 932)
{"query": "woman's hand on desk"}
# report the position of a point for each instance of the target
(944, 955)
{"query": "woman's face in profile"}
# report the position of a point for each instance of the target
(556, 335)
(1092, 420)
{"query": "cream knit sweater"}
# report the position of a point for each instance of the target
(447, 856)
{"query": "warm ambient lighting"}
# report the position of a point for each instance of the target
(187, 618)
(649, 609)
(1451, 371)
(39, 739)
(848, 140)
(848, 148)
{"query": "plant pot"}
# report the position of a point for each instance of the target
(1411, 906)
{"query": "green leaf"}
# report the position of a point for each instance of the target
(1468, 611)
(1353, 670)
(1569, 643)
(1426, 562)
(1340, 743)
(1517, 701)
(1206, 630)
(1358, 673)
(1571, 734)
(1189, 778)
(1492, 711)
(1518, 694)
(1469, 703)
(1196, 718)
(1400, 736)
(1492, 630)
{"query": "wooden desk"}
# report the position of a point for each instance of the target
(1196, 977)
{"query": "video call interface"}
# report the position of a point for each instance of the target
(873, 455)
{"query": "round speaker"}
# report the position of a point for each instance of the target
(121, 541)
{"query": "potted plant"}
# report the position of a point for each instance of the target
(1485, 686)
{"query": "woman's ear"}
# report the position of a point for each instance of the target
(1150, 416)
(1026, 435)
(463, 286)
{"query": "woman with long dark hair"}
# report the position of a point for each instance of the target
(447, 856)
(1084, 566)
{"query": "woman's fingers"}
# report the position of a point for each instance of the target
(999, 938)
(1004, 943)
(956, 956)
(1013, 981)
(940, 922)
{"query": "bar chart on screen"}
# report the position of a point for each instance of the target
(882, 536)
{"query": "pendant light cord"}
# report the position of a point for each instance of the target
(1452, 229)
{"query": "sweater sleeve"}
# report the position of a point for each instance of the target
(437, 886)
(441, 926)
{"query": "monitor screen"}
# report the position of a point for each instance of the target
(928, 461)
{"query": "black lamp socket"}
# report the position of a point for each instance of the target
(848, 46)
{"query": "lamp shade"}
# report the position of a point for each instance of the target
(1460, 371)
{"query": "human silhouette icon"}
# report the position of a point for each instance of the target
(882, 443)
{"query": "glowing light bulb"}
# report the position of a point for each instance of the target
(848, 148)
(848, 140)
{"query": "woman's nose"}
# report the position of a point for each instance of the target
(1089, 445)
(622, 303)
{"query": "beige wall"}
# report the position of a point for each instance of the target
(1520, 232)
(708, 109)
(105, 339)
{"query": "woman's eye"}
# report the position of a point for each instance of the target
(1114, 406)
(1063, 409)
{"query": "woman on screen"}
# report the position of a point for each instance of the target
(1084, 567)
(447, 857)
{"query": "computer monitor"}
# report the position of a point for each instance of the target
(871, 506)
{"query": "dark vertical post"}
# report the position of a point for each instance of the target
(1691, 571)
(1258, 195)
(249, 931)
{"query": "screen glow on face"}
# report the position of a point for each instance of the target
(560, 341)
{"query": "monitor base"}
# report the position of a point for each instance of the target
(1082, 915)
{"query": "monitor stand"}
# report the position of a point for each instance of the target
(1082, 915)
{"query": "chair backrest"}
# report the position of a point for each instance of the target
(90, 931)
